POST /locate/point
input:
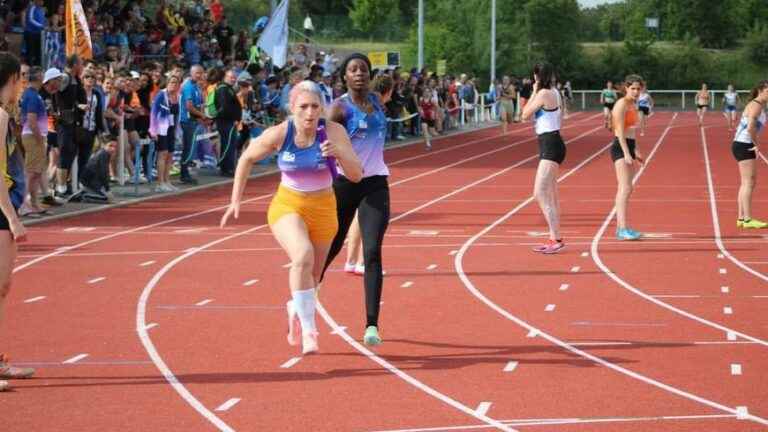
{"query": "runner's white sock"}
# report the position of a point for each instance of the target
(304, 302)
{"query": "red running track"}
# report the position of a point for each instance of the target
(480, 333)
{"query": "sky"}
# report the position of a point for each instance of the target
(590, 3)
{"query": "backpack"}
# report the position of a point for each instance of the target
(210, 103)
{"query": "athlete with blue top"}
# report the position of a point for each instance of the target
(745, 150)
(302, 214)
(730, 103)
(361, 112)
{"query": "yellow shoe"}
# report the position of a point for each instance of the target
(739, 223)
(754, 224)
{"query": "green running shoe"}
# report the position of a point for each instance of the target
(754, 224)
(372, 337)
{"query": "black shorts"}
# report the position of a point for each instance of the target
(616, 151)
(430, 122)
(4, 225)
(552, 147)
(609, 105)
(702, 106)
(167, 142)
(741, 151)
(53, 140)
(129, 124)
(645, 110)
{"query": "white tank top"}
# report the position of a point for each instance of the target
(742, 131)
(730, 98)
(548, 120)
(644, 100)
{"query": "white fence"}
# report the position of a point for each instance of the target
(676, 100)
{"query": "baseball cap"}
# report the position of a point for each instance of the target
(135, 75)
(51, 74)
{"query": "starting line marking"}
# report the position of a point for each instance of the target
(147, 263)
(407, 285)
(575, 269)
(564, 287)
(34, 299)
(203, 303)
(423, 232)
(228, 404)
(735, 369)
(75, 359)
(725, 290)
(483, 408)
(432, 267)
(250, 282)
(585, 254)
(79, 229)
(723, 271)
(549, 308)
(511, 366)
(728, 310)
(290, 363)
(97, 280)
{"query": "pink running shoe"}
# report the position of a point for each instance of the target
(550, 247)
(309, 343)
(294, 325)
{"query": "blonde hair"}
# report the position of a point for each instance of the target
(304, 87)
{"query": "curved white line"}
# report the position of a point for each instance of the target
(458, 263)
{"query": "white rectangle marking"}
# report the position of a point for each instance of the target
(549, 308)
(79, 229)
(75, 359)
(585, 254)
(228, 404)
(97, 280)
(250, 282)
(742, 413)
(735, 369)
(432, 267)
(290, 363)
(34, 299)
(407, 285)
(728, 310)
(564, 287)
(720, 256)
(676, 296)
(723, 271)
(424, 232)
(203, 303)
(725, 290)
(731, 336)
(533, 333)
(483, 408)
(511, 366)
(147, 263)
(575, 269)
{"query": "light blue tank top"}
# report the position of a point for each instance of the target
(368, 133)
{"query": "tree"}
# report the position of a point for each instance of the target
(552, 26)
(713, 22)
(369, 15)
(756, 45)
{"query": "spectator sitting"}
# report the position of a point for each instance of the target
(95, 179)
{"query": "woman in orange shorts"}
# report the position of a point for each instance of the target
(302, 214)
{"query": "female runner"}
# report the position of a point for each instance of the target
(745, 151)
(730, 103)
(702, 103)
(645, 106)
(608, 99)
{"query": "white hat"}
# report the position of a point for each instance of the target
(135, 75)
(51, 74)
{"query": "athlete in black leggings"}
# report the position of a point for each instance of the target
(362, 113)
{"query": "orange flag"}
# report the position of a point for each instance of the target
(78, 35)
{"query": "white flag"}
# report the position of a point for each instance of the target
(274, 39)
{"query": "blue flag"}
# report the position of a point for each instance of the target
(274, 40)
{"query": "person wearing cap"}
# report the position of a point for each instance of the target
(251, 124)
(51, 85)
(228, 113)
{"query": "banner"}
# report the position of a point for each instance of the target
(274, 40)
(442, 67)
(78, 35)
(378, 59)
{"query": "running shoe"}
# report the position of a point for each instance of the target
(359, 269)
(294, 325)
(349, 268)
(309, 343)
(550, 247)
(627, 234)
(739, 223)
(754, 224)
(372, 337)
(10, 372)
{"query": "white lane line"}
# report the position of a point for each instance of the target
(600, 343)
(735, 369)
(720, 256)
(407, 284)
(79, 229)
(34, 299)
(725, 290)
(564, 287)
(423, 233)
(203, 303)
(339, 330)
(150, 326)
(532, 333)
(147, 263)
(723, 271)
(728, 310)
(97, 280)
(226, 406)
(483, 408)
(453, 252)
(459, 265)
(291, 363)
(432, 267)
(75, 359)
(549, 308)
(760, 296)
(742, 413)
(250, 282)
(575, 269)
(511, 366)
(676, 296)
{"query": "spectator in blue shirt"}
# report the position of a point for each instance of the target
(34, 119)
(192, 52)
(34, 24)
(190, 115)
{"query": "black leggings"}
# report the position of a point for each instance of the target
(371, 198)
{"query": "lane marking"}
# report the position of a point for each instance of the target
(725, 290)
(742, 413)
(585, 254)
(564, 287)
(720, 256)
(453, 252)
(735, 369)
(532, 333)
(250, 282)
(203, 303)
(483, 408)
(228, 404)
(97, 280)
(339, 330)
(407, 284)
(731, 336)
(290, 363)
(676, 296)
(34, 299)
(511, 366)
(432, 267)
(75, 359)
(723, 271)
(147, 263)
(575, 269)
(549, 308)
(728, 310)
(150, 326)
(79, 229)
(423, 232)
